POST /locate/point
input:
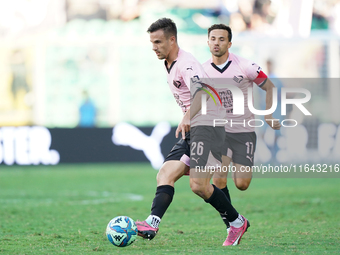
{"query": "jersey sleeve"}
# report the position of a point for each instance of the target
(255, 74)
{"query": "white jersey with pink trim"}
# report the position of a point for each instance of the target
(241, 73)
(185, 73)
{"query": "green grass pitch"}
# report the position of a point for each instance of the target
(64, 209)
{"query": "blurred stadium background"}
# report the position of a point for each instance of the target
(72, 70)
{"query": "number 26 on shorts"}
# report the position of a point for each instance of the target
(197, 148)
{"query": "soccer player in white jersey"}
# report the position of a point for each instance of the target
(184, 77)
(240, 141)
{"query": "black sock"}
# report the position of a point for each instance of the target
(221, 203)
(226, 192)
(162, 200)
(224, 218)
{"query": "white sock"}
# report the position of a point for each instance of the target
(153, 221)
(238, 222)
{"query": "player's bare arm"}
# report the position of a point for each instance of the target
(184, 125)
(268, 87)
(196, 103)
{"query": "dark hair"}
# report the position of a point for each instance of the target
(221, 26)
(167, 25)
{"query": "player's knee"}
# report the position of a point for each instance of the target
(242, 184)
(159, 177)
(220, 182)
(168, 175)
(198, 188)
(163, 178)
(195, 187)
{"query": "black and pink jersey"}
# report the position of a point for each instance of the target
(186, 73)
(241, 73)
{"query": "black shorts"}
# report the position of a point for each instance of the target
(206, 146)
(240, 147)
(181, 150)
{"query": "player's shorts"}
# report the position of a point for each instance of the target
(240, 147)
(181, 151)
(206, 146)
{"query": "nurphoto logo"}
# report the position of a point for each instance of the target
(239, 105)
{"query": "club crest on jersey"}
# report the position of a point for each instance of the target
(177, 84)
(238, 78)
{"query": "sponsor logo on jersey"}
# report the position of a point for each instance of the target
(238, 78)
(177, 84)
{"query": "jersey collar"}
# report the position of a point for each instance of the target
(223, 69)
(172, 64)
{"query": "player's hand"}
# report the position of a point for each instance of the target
(184, 125)
(273, 123)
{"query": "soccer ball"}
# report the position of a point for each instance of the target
(121, 231)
